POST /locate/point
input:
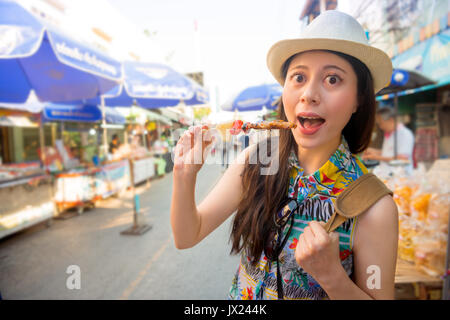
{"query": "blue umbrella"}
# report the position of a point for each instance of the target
(256, 97)
(155, 85)
(57, 68)
(201, 96)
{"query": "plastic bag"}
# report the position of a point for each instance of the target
(430, 252)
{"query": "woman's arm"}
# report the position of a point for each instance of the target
(375, 249)
(374, 256)
(191, 223)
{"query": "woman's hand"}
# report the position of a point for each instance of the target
(317, 252)
(192, 150)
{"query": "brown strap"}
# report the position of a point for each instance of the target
(359, 196)
(335, 221)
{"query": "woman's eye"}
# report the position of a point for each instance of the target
(333, 79)
(299, 77)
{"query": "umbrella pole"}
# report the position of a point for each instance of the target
(105, 137)
(395, 124)
(42, 142)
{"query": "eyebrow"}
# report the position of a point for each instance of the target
(328, 66)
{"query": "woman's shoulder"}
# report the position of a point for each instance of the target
(380, 216)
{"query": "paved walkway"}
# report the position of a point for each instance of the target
(33, 263)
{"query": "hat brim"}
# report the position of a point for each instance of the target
(376, 60)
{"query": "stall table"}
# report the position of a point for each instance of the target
(75, 189)
(143, 169)
(25, 201)
(410, 283)
(112, 178)
(81, 188)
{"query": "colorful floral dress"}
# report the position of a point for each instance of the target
(315, 194)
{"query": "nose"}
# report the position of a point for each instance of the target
(310, 94)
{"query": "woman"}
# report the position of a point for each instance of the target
(330, 76)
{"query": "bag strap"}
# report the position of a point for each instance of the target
(359, 196)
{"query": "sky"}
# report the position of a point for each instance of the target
(231, 41)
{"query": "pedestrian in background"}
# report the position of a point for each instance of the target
(385, 120)
(226, 146)
(114, 144)
(244, 141)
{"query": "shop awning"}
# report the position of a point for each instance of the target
(17, 121)
(74, 113)
(34, 107)
(81, 113)
(412, 91)
(143, 115)
(112, 116)
(153, 116)
(405, 82)
(176, 116)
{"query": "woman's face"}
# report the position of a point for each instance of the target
(319, 95)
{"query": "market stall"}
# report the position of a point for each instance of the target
(25, 188)
(143, 169)
(112, 178)
(87, 174)
(423, 201)
(152, 153)
(156, 86)
(68, 156)
(74, 189)
(15, 214)
(80, 188)
(40, 62)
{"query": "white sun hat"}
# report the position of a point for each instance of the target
(336, 31)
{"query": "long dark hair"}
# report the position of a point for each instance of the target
(263, 194)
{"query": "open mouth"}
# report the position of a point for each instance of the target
(310, 122)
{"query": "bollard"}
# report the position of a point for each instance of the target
(137, 228)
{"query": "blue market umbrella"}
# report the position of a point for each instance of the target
(57, 68)
(150, 86)
(155, 85)
(201, 96)
(256, 97)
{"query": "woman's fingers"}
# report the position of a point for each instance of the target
(193, 145)
(308, 239)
